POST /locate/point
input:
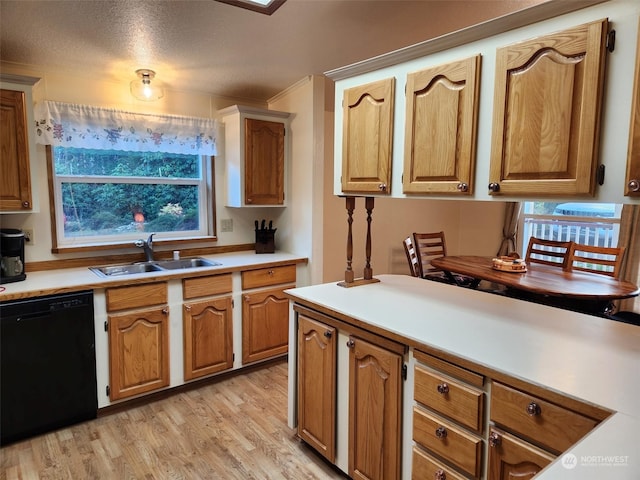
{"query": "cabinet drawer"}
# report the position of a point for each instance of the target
(449, 442)
(265, 277)
(450, 398)
(550, 425)
(427, 467)
(123, 298)
(205, 286)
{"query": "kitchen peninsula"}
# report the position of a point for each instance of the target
(499, 352)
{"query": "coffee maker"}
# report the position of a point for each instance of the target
(11, 255)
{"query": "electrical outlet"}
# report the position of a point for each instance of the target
(28, 236)
(226, 225)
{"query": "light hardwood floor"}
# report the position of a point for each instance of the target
(232, 429)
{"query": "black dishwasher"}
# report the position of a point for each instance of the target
(48, 364)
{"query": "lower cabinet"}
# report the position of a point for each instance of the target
(207, 325)
(265, 313)
(138, 339)
(510, 457)
(373, 444)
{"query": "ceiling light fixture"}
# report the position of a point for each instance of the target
(262, 6)
(142, 89)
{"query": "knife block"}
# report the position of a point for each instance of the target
(265, 241)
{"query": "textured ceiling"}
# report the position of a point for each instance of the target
(217, 48)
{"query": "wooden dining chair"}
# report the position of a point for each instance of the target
(548, 252)
(601, 260)
(429, 246)
(412, 257)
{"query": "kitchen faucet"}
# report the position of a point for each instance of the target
(147, 247)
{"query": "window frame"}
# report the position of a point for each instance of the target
(206, 191)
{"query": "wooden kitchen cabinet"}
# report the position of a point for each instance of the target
(367, 138)
(440, 128)
(375, 411)
(265, 313)
(138, 339)
(317, 385)
(546, 117)
(207, 326)
(255, 156)
(632, 179)
(510, 457)
(15, 181)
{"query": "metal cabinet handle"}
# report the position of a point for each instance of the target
(494, 187)
(634, 185)
(533, 409)
(495, 440)
(440, 474)
(441, 432)
(351, 343)
(187, 308)
(443, 388)
(271, 272)
(26, 205)
(382, 187)
(165, 311)
(463, 187)
(327, 334)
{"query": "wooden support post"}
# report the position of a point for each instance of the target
(348, 274)
(368, 272)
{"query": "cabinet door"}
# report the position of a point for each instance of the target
(374, 411)
(138, 352)
(264, 162)
(633, 158)
(440, 128)
(546, 115)
(368, 137)
(208, 337)
(265, 325)
(510, 458)
(15, 181)
(317, 385)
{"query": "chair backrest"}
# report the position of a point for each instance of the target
(602, 260)
(412, 257)
(548, 252)
(429, 246)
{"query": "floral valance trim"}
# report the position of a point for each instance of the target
(83, 126)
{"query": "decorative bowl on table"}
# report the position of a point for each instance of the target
(509, 264)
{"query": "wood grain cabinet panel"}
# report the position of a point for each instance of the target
(367, 137)
(552, 426)
(440, 128)
(512, 458)
(317, 385)
(136, 296)
(427, 467)
(632, 186)
(265, 324)
(374, 412)
(138, 352)
(15, 180)
(264, 162)
(546, 120)
(208, 337)
(265, 277)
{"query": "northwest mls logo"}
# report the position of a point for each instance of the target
(569, 461)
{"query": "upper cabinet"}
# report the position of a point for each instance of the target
(15, 181)
(255, 156)
(440, 128)
(632, 181)
(367, 137)
(546, 116)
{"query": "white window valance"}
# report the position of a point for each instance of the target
(83, 126)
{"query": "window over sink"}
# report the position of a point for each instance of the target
(114, 196)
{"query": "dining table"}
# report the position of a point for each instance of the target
(576, 290)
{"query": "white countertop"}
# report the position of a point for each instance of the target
(585, 357)
(68, 279)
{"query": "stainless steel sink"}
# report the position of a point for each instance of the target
(128, 269)
(156, 266)
(186, 263)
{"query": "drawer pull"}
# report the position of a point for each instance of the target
(351, 343)
(441, 432)
(533, 409)
(440, 474)
(495, 440)
(271, 272)
(443, 388)
(327, 333)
